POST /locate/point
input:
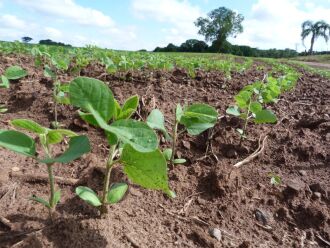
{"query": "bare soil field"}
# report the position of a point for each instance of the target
(238, 206)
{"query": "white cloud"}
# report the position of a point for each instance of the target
(11, 21)
(53, 33)
(277, 24)
(180, 14)
(68, 9)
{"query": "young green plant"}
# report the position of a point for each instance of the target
(132, 143)
(249, 104)
(194, 119)
(11, 73)
(24, 144)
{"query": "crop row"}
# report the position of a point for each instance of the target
(132, 144)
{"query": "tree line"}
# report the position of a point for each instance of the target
(198, 46)
(222, 23)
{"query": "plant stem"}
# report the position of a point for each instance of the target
(106, 183)
(174, 136)
(52, 189)
(245, 124)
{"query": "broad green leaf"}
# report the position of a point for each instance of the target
(56, 136)
(136, 133)
(86, 91)
(112, 138)
(199, 117)
(15, 72)
(242, 99)
(57, 197)
(49, 73)
(167, 154)
(116, 192)
(265, 116)
(88, 195)
(88, 118)
(179, 161)
(131, 103)
(78, 146)
(40, 200)
(125, 114)
(234, 110)
(17, 142)
(178, 112)
(255, 107)
(148, 170)
(155, 120)
(117, 110)
(4, 82)
(29, 125)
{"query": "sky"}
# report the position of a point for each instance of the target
(146, 24)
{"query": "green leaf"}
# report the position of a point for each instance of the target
(242, 99)
(255, 107)
(78, 146)
(86, 91)
(15, 72)
(179, 161)
(199, 117)
(40, 200)
(167, 154)
(148, 170)
(125, 114)
(117, 110)
(29, 125)
(56, 136)
(17, 142)
(178, 112)
(87, 117)
(234, 110)
(155, 120)
(265, 116)
(135, 133)
(57, 197)
(49, 73)
(4, 82)
(112, 138)
(116, 192)
(131, 103)
(88, 195)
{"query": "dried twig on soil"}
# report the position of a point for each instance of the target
(322, 239)
(6, 222)
(33, 178)
(253, 155)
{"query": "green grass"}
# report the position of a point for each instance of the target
(325, 59)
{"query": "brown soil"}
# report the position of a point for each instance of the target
(241, 203)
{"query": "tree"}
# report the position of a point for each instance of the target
(26, 39)
(193, 45)
(317, 29)
(220, 24)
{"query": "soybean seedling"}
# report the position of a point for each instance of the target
(249, 105)
(23, 144)
(133, 144)
(11, 73)
(54, 64)
(195, 119)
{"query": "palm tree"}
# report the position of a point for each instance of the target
(317, 29)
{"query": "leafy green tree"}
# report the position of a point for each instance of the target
(317, 29)
(220, 24)
(26, 39)
(193, 45)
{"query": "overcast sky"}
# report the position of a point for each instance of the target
(137, 24)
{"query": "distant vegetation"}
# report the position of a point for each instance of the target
(50, 42)
(198, 46)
